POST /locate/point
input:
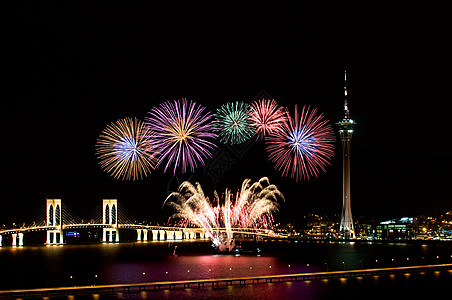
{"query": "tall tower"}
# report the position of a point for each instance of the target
(346, 127)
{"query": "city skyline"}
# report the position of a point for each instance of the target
(85, 76)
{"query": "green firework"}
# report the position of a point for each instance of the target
(233, 123)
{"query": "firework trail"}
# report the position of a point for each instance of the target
(266, 117)
(304, 146)
(252, 208)
(124, 149)
(233, 124)
(182, 134)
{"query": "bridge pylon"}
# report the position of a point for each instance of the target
(142, 235)
(54, 218)
(110, 217)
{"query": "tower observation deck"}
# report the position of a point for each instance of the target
(346, 127)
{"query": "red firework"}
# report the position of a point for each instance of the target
(303, 146)
(266, 116)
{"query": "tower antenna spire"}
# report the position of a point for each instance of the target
(345, 95)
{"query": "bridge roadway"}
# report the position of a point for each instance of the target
(252, 231)
(216, 283)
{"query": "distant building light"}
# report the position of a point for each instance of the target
(387, 222)
(72, 233)
(406, 220)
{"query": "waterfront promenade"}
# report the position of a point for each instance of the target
(218, 282)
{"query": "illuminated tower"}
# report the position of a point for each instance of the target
(346, 126)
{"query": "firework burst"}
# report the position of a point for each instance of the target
(124, 149)
(266, 117)
(304, 146)
(233, 124)
(182, 134)
(252, 208)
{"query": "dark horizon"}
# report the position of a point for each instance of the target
(91, 65)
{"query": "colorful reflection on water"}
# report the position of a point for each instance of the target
(69, 265)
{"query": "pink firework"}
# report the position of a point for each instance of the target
(266, 116)
(252, 208)
(304, 146)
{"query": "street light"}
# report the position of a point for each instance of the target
(343, 264)
(144, 278)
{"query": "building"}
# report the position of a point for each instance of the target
(320, 227)
(395, 229)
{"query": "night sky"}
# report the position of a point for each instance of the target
(78, 68)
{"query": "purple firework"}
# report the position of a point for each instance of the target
(182, 134)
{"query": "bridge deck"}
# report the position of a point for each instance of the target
(255, 231)
(202, 283)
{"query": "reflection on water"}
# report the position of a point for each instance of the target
(70, 265)
(382, 287)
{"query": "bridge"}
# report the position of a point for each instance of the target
(216, 282)
(58, 218)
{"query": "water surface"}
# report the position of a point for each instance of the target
(41, 266)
